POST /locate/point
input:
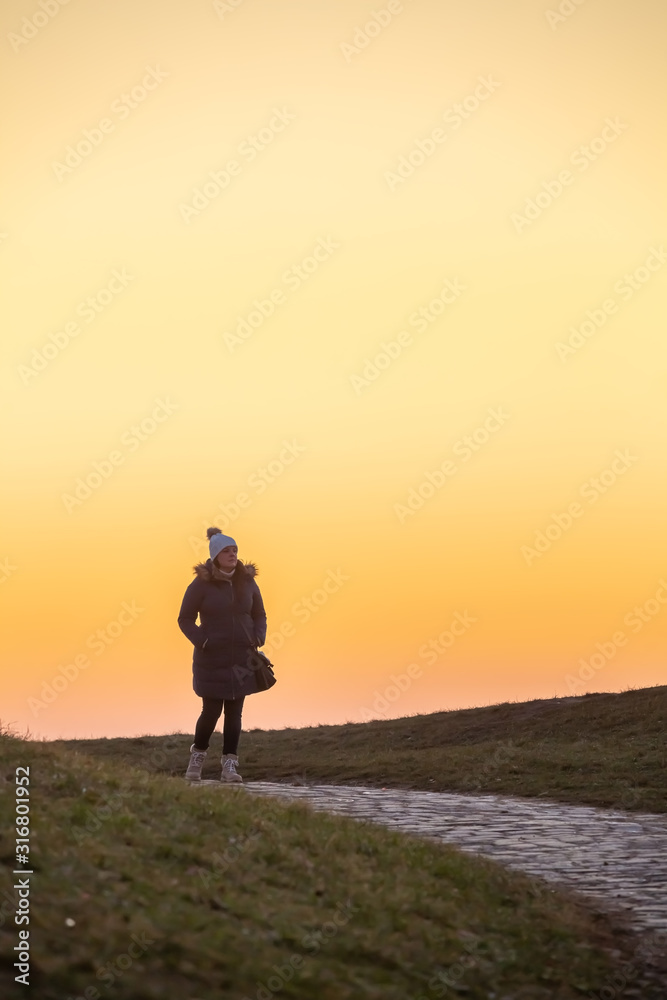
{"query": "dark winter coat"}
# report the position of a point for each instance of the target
(233, 621)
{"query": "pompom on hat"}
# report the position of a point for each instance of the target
(217, 541)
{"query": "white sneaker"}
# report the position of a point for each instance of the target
(229, 764)
(197, 758)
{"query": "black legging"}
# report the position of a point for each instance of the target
(210, 714)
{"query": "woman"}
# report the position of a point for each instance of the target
(233, 623)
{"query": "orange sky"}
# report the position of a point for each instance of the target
(377, 289)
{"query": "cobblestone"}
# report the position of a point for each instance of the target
(607, 854)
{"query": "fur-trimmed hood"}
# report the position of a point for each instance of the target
(243, 570)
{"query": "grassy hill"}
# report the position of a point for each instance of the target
(596, 749)
(146, 887)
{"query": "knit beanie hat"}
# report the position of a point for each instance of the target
(217, 541)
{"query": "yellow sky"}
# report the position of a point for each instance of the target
(409, 259)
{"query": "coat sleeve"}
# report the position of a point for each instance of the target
(187, 616)
(258, 615)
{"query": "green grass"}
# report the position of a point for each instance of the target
(219, 887)
(598, 749)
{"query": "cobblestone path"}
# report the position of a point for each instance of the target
(614, 856)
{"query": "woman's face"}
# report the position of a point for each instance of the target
(227, 557)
